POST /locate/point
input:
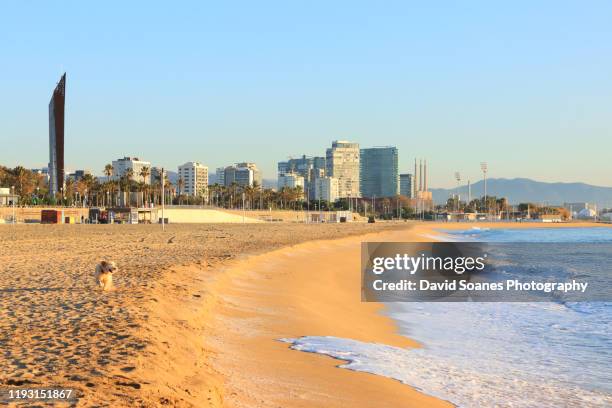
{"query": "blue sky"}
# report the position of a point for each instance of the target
(526, 86)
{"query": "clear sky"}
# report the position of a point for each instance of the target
(526, 86)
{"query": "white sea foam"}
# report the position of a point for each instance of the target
(440, 378)
(496, 354)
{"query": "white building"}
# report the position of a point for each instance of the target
(120, 166)
(290, 180)
(195, 177)
(326, 189)
(243, 174)
(586, 214)
(342, 163)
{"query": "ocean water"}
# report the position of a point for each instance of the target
(544, 354)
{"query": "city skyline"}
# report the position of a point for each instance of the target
(219, 86)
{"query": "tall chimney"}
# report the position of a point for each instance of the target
(415, 180)
(421, 174)
(425, 177)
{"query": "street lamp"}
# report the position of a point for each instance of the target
(13, 199)
(484, 168)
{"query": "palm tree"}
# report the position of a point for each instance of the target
(108, 172)
(249, 192)
(129, 176)
(169, 188)
(69, 192)
(180, 184)
(145, 172)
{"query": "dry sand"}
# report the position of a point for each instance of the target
(192, 321)
(58, 329)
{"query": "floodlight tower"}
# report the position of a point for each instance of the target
(484, 167)
(458, 178)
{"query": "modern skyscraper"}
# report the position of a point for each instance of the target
(195, 177)
(56, 137)
(406, 185)
(379, 172)
(342, 163)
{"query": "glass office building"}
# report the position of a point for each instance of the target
(378, 172)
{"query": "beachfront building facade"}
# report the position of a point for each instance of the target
(56, 138)
(308, 167)
(242, 174)
(195, 179)
(576, 208)
(326, 189)
(8, 196)
(342, 163)
(78, 175)
(121, 166)
(406, 185)
(291, 180)
(379, 172)
(220, 176)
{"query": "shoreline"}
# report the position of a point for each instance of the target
(265, 306)
(271, 302)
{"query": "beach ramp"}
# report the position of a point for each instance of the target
(204, 216)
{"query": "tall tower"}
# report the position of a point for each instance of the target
(415, 182)
(343, 163)
(425, 177)
(56, 137)
(420, 174)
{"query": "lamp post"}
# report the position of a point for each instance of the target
(243, 207)
(458, 178)
(163, 197)
(13, 199)
(484, 168)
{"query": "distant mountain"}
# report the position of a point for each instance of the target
(172, 176)
(521, 190)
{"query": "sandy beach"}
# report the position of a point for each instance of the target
(197, 313)
(119, 348)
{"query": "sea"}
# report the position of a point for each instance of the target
(496, 354)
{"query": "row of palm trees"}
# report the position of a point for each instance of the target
(32, 189)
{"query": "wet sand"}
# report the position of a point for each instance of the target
(310, 290)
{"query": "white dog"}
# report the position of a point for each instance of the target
(104, 274)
